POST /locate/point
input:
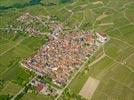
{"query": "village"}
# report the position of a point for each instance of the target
(66, 49)
(63, 54)
(34, 25)
(40, 86)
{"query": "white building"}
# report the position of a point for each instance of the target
(101, 38)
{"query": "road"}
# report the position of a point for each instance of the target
(78, 72)
(97, 60)
(22, 89)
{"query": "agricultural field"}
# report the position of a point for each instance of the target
(112, 64)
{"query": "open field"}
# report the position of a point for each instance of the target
(11, 53)
(35, 97)
(117, 65)
(10, 89)
(115, 70)
(89, 88)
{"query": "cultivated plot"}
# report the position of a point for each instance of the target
(89, 88)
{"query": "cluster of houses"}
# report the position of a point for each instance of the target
(43, 88)
(63, 55)
(34, 25)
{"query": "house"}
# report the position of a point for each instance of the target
(101, 37)
(61, 56)
(56, 28)
(39, 87)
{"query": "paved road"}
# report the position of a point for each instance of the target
(78, 72)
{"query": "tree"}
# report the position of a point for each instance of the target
(5, 97)
(65, 1)
(1, 82)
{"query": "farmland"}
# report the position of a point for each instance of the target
(114, 70)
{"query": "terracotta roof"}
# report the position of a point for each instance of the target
(39, 87)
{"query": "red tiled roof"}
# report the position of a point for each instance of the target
(39, 87)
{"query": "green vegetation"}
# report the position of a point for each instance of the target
(19, 96)
(10, 89)
(13, 49)
(69, 95)
(5, 97)
(115, 70)
(30, 96)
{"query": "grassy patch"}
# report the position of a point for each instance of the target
(30, 96)
(10, 89)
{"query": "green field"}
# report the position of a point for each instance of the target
(35, 97)
(10, 89)
(115, 71)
